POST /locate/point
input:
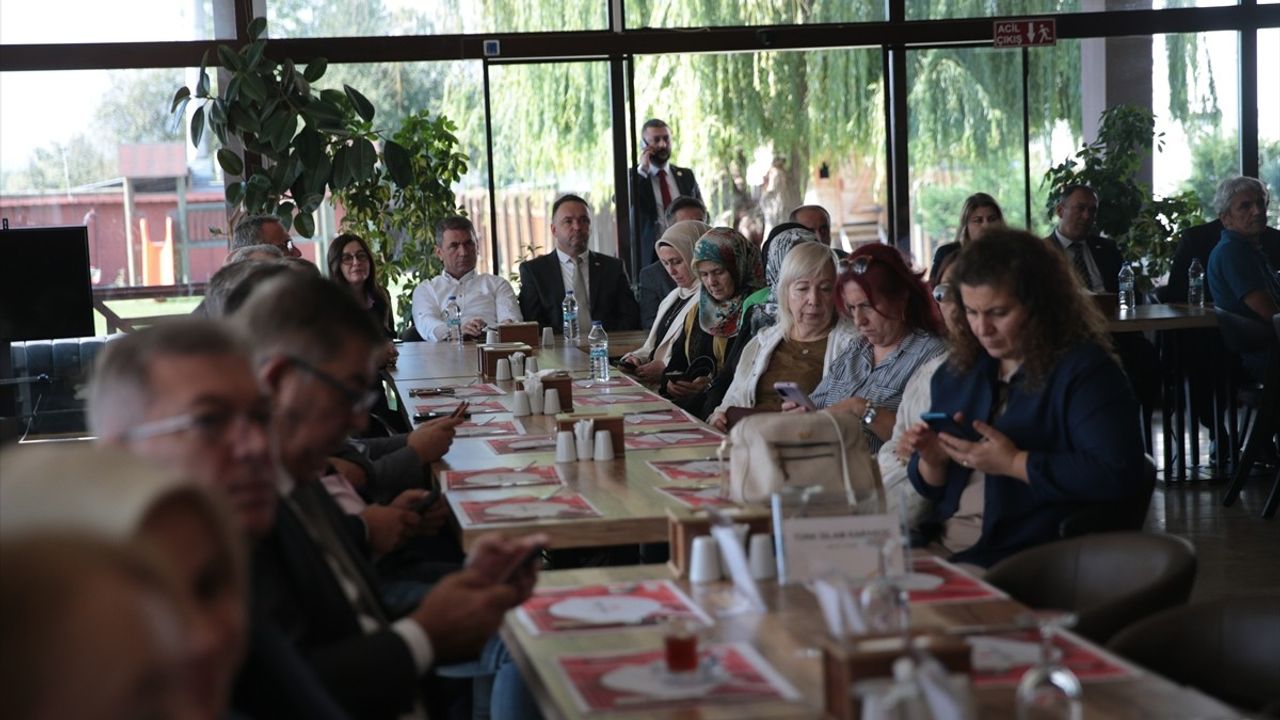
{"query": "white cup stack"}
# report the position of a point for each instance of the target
(761, 558)
(548, 337)
(704, 561)
(551, 403)
(604, 446)
(520, 404)
(565, 450)
(503, 369)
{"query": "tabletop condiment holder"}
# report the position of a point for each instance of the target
(612, 423)
(487, 356)
(562, 383)
(852, 660)
(685, 525)
(521, 332)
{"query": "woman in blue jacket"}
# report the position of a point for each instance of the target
(1054, 426)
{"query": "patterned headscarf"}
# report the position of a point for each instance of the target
(741, 258)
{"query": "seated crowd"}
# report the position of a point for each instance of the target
(265, 556)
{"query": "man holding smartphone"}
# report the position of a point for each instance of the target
(655, 183)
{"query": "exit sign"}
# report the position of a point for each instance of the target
(1025, 33)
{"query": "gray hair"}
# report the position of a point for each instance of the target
(306, 317)
(1229, 188)
(807, 260)
(120, 386)
(249, 231)
(230, 277)
(249, 252)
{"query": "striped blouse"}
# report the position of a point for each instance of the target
(855, 373)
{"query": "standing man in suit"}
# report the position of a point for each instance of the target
(655, 184)
(654, 282)
(1096, 259)
(598, 281)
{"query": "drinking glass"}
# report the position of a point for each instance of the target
(1049, 690)
(883, 601)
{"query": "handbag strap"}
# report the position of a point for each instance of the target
(844, 459)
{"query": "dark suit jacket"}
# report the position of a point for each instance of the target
(542, 292)
(644, 207)
(1198, 242)
(654, 284)
(370, 675)
(1106, 255)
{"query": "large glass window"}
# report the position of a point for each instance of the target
(377, 18)
(766, 132)
(551, 135)
(731, 13)
(1269, 118)
(942, 9)
(94, 21)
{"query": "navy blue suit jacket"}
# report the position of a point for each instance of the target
(1084, 441)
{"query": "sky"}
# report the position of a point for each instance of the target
(38, 108)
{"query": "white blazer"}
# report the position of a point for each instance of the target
(759, 352)
(663, 346)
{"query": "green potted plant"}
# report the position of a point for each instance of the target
(1145, 227)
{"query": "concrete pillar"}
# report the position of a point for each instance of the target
(1115, 71)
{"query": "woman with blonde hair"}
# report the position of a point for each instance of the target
(115, 496)
(800, 347)
(980, 215)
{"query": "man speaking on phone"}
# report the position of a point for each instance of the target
(655, 183)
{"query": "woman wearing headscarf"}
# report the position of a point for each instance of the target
(117, 497)
(729, 267)
(675, 252)
(760, 309)
(808, 336)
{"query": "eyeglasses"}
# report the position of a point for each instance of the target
(352, 259)
(211, 426)
(944, 293)
(859, 265)
(360, 400)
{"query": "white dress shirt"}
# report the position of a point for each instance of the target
(567, 270)
(1095, 275)
(660, 212)
(481, 295)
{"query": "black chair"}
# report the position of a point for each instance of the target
(1243, 335)
(1227, 648)
(410, 334)
(1113, 517)
(1109, 580)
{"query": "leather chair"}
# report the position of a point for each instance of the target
(1243, 335)
(1227, 648)
(1113, 517)
(1108, 580)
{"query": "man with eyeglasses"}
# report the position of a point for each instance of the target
(485, 299)
(316, 351)
(263, 230)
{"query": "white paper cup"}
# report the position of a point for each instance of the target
(704, 560)
(584, 447)
(531, 366)
(491, 336)
(503, 369)
(517, 365)
(761, 558)
(551, 402)
(520, 404)
(548, 337)
(604, 446)
(565, 451)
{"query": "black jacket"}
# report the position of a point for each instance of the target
(653, 286)
(1106, 255)
(644, 208)
(542, 292)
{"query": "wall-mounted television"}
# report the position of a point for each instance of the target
(45, 290)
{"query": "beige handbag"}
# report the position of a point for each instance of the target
(767, 451)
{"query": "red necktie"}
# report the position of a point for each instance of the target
(666, 192)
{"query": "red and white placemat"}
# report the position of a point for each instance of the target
(697, 496)
(586, 608)
(667, 416)
(446, 404)
(622, 396)
(500, 477)
(487, 425)
(523, 508)
(681, 437)
(1000, 660)
(934, 581)
(680, 471)
(522, 444)
(617, 381)
(730, 673)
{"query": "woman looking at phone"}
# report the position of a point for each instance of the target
(728, 265)
(675, 252)
(1032, 374)
(898, 323)
(809, 334)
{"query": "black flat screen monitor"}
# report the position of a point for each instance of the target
(45, 291)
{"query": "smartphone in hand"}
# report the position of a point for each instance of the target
(424, 504)
(941, 422)
(791, 391)
(526, 562)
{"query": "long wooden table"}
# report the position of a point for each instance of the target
(623, 490)
(788, 637)
(1146, 318)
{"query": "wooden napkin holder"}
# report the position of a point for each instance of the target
(487, 356)
(562, 382)
(612, 423)
(524, 332)
(845, 662)
(685, 525)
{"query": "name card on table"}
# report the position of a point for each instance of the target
(847, 545)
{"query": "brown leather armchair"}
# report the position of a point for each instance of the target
(1227, 648)
(1109, 580)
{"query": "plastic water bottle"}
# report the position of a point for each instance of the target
(599, 342)
(1126, 287)
(570, 310)
(453, 317)
(1195, 284)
